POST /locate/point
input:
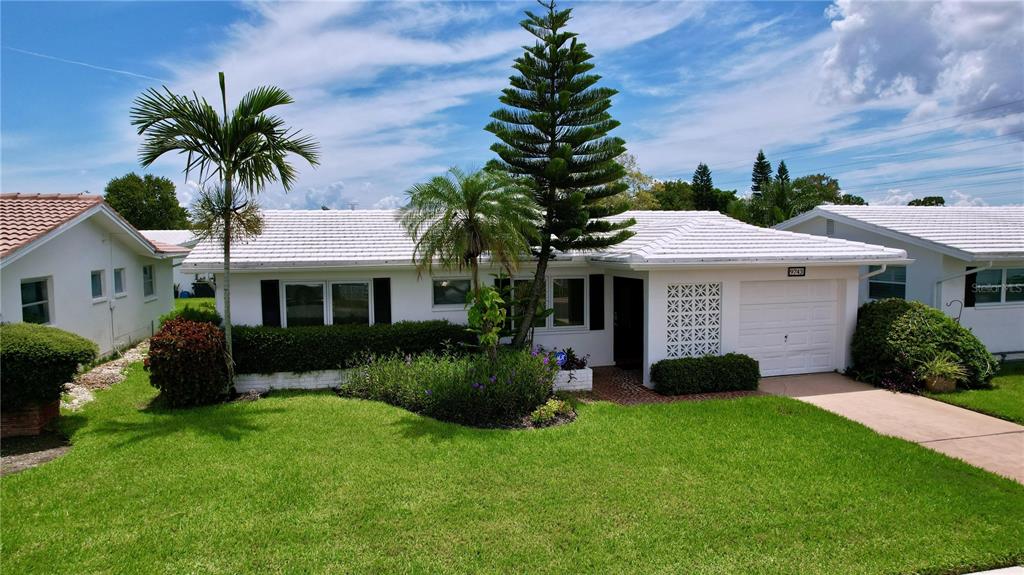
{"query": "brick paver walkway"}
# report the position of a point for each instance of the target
(624, 386)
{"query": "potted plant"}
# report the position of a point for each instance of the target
(942, 372)
(573, 373)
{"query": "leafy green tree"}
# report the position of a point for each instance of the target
(245, 150)
(674, 195)
(456, 218)
(818, 188)
(928, 201)
(553, 134)
(782, 173)
(851, 200)
(639, 188)
(704, 196)
(147, 202)
(761, 175)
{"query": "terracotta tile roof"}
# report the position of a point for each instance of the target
(166, 248)
(25, 217)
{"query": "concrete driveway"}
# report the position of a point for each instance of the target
(981, 440)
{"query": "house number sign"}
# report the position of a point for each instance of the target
(797, 272)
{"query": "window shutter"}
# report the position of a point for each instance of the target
(970, 281)
(596, 301)
(381, 300)
(270, 296)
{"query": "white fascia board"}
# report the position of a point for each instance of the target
(645, 266)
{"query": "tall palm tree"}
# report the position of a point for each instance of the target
(456, 218)
(245, 150)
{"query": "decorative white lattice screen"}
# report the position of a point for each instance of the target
(694, 320)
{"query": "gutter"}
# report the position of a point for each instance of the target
(937, 295)
(879, 271)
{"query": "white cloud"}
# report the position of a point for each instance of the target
(962, 199)
(967, 53)
(389, 203)
(895, 197)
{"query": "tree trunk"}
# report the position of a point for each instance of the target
(537, 292)
(229, 201)
(475, 266)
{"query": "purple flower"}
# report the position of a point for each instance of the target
(545, 360)
(494, 378)
(427, 392)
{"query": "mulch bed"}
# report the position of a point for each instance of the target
(625, 387)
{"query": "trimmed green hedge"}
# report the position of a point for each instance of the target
(259, 349)
(36, 361)
(895, 337)
(708, 374)
(205, 313)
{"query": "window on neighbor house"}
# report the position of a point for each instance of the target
(892, 283)
(999, 286)
(350, 303)
(451, 291)
(119, 281)
(148, 281)
(35, 301)
(567, 299)
(97, 284)
(304, 304)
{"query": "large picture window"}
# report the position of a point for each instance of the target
(999, 286)
(567, 299)
(892, 283)
(350, 303)
(304, 304)
(35, 301)
(451, 291)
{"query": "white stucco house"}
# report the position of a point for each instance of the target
(72, 262)
(184, 239)
(687, 284)
(967, 261)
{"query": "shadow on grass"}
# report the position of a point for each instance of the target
(159, 421)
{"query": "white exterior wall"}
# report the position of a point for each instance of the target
(999, 326)
(412, 299)
(656, 344)
(67, 261)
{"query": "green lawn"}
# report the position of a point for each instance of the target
(181, 303)
(313, 483)
(1004, 400)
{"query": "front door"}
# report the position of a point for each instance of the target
(628, 322)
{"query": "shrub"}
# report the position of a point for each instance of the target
(708, 374)
(36, 361)
(204, 313)
(550, 412)
(187, 363)
(472, 390)
(894, 338)
(311, 348)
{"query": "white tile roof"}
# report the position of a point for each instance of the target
(973, 233)
(175, 237)
(335, 238)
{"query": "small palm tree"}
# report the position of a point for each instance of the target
(211, 210)
(456, 218)
(245, 151)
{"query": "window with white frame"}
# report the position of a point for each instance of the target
(35, 301)
(148, 281)
(568, 299)
(999, 286)
(892, 283)
(304, 304)
(350, 303)
(98, 289)
(119, 288)
(451, 291)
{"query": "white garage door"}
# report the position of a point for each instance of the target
(790, 326)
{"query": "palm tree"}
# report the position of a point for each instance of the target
(457, 217)
(245, 150)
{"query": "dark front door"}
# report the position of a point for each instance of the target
(628, 327)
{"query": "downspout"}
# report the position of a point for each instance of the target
(937, 295)
(880, 270)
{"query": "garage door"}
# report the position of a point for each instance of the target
(789, 326)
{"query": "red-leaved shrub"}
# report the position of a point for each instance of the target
(187, 363)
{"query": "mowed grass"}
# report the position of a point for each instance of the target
(312, 483)
(196, 302)
(1005, 399)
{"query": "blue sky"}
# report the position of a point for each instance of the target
(896, 100)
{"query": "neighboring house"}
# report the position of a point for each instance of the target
(185, 239)
(968, 261)
(687, 284)
(72, 262)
